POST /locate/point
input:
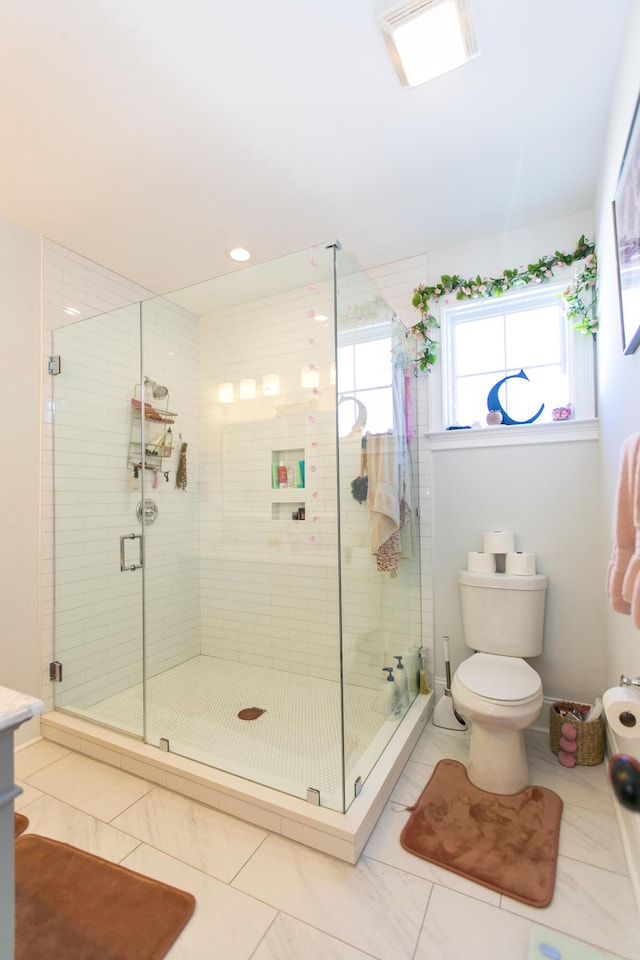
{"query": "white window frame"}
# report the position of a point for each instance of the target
(360, 335)
(580, 360)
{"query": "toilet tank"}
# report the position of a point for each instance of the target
(503, 614)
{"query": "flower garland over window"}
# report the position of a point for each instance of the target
(580, 296)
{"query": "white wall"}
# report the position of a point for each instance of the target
(619, 404)
(19, 518)
(549, 494)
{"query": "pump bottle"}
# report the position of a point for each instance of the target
(391, 701)
(402, 682)
(411, 663)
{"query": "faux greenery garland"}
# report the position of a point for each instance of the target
(580, 296)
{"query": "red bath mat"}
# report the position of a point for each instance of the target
(73, 905)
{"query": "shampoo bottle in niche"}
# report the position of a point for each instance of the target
(391, 701)
(282, 475)
(402, 681)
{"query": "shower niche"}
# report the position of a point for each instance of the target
(288, 484)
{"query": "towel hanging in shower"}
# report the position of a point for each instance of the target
(181, 472)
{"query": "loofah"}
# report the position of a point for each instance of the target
(569, 746)
(181, 472)
(566, 759)
(569, 731)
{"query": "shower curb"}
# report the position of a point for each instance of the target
(342, 835)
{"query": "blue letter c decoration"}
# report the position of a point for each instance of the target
(493, 402)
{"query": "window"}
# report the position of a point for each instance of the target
(364, 373)
(484, 341)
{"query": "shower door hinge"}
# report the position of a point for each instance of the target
(164, 744)
(313, 796)
(55, 670)
(54, 365)
(357, 787)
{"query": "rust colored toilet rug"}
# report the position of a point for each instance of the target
(506, 843)
(20, 824)
(71, 904)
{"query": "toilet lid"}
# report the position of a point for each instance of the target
(499, 678)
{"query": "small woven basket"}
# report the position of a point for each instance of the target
(589, 735)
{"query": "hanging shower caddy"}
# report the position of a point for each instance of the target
(158, 435)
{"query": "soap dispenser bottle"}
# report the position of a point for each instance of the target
(402, 681)
(391, 703)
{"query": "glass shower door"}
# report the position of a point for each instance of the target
(98, 536)
(379, 534)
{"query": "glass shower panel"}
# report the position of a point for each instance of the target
(172, 669)
(243, 560)
(379, 545)
(98, 606)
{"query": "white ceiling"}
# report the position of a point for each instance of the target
(151, 135)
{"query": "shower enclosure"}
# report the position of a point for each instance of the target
(223, 588)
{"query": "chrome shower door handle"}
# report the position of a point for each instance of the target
(131, 566)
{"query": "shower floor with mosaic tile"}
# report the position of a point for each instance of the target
(293, 745)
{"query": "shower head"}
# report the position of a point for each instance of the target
(158, 391)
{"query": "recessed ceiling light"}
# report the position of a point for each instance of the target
(427, 38)
(240, 254)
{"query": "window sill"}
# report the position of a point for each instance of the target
(565, 431)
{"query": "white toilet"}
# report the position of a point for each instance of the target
(500, 694)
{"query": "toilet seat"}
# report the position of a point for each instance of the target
(503, 679)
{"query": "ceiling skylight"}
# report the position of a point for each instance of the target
(427, 38)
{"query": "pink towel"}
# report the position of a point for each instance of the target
(623, 580)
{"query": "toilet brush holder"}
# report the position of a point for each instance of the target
(444, 713)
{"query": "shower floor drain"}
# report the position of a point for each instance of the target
(250, 713)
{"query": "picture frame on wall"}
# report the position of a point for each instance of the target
(626, 220)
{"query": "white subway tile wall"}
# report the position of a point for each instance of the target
(229, 573)
(70, 282)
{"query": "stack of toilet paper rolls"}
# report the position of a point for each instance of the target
(501, 542)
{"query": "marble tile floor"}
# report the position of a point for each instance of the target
(264, 897)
